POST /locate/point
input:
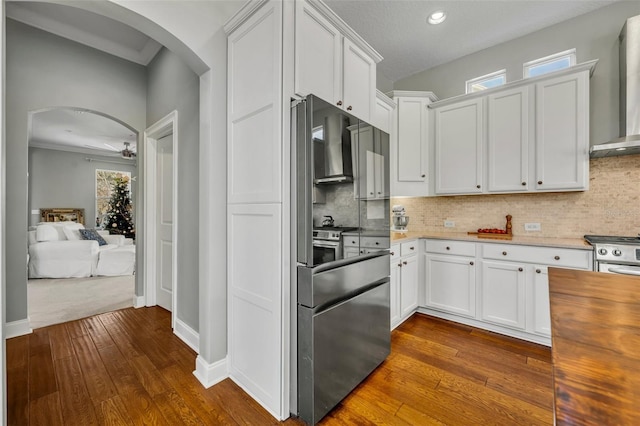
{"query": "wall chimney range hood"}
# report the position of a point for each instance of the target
(629, 140)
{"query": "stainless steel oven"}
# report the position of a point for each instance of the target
(327, 244)
(615, 254)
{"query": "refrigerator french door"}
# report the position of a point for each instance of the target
(341, 315)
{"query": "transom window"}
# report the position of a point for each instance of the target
(487, 81)
(551, 63)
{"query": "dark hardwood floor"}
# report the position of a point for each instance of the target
(127, 368)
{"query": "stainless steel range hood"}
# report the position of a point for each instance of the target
(629, 141)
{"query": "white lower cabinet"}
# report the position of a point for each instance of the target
(404, 281)
(512, 284)
(503, 293)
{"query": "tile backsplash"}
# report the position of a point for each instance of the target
(611, 206)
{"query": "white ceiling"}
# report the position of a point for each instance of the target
(397, 29)
(77, 130)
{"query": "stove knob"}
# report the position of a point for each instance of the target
(602, 251)
(616, 252)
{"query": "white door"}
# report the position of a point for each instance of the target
(164, 222)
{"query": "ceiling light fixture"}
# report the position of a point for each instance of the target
(437, 17)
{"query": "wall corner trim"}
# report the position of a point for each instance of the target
(187, 334)
(17, 328)
(210, 374)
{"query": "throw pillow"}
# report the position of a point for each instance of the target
(46, 233)
(92, 234)
(72, 233)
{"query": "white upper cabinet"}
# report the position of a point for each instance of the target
(508, 140)
(383, 113)
(459, 144)
(537, 133)
(562, 133)
(409, 159)
(332, 62)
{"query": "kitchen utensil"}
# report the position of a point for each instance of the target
(328, 221)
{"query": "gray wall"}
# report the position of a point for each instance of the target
(42, 71)
(173, 86)
(594, 35)
(67, 179)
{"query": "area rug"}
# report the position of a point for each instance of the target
(53, 301)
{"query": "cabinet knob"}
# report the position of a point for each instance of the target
(448, 248)
(423, 175)
(371, 193)
(339, 103)
(361, 251)
(349, 108)
(524, 183)
(392, 253)
(379, 192)
(520, 269)
(539, 182)
(504, 253)
(353, 242)
(556, 257)
(538, 271)
(478, 186)
(471, 263)
(377, 243)
(404, 263)
(400, 265)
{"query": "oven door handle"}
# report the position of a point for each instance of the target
(325, 245)
(625, 270)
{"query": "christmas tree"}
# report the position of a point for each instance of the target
(119, 219)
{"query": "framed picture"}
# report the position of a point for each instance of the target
(62, 215)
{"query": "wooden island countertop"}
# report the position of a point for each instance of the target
(595, 335)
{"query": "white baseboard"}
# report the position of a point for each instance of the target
(210, 374)
(17, 328)
(187, 335)
(138, 302)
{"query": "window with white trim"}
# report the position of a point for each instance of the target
(551, 63)
(104, 186)
(487, 81)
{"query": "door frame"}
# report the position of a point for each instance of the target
(163, 127)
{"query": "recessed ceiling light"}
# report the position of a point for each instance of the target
(437, 17)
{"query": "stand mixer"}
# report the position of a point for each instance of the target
(400, 221)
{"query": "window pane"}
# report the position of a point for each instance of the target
(104, 185)
(487, 84)
(548, 67)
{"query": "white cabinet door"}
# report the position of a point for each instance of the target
(383, 113)
(562, 133)
(412, 148)
(394, 285)
(458, 147)
(359, 81)
(508, 140)
(540, 302)
(503, 293)
(408, 286)
(318, 59)
(451, 284)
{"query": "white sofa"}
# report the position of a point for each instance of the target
(57, 250)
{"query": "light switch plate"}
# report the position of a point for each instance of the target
(532, 227)
(449, 224)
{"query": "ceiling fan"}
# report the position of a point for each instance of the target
(127, 153)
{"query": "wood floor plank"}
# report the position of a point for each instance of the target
(60, 341)
(77, 407)
(438, 373)
(96, 378)
(46, 410)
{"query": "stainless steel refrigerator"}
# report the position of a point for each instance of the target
(340, 309)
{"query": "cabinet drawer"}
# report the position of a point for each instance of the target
(374, 242)
(551, 256)
(410, 247)
(395, 251)
(351, 240)
(459, 248)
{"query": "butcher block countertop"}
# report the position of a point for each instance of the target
(595, 336)
(574, 243)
